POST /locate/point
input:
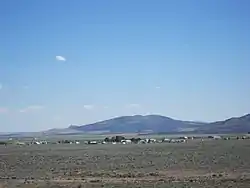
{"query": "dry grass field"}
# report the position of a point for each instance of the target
(218, 163)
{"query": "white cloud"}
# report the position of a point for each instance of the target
(1, 86)
(60, 58)
(157, 87)
(31, 108)
(88, 106)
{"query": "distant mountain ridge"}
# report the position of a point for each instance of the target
(231, 125)
(159, 124)
(148, 124)
(137, 124)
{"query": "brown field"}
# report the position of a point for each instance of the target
(221, 163)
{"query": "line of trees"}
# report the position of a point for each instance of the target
(3, 143)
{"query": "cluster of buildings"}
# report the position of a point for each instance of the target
(182, 139)
(123, 140)
(138, 141)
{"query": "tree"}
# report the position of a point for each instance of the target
(113, 139)
(119, 138)
(135, 140)
(107, 139)
(3, 143)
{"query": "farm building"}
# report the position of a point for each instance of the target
(126, 141)
(216, 137)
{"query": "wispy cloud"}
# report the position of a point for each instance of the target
(31, 108)
(105, 107)
(133, 105)
(157, 87)
(88, 106)
(60, 58)
(1, 86)
(3, 110)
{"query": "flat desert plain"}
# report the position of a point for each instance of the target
(214, 163)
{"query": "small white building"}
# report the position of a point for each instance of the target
(216, 137)
(20, 143)
(142, 142)
(166, 140)
(92, 142)
(152, 140)
(183, 137)
(126, 141)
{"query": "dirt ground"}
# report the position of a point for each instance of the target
(221, 163)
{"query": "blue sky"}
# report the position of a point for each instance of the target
(77, 62)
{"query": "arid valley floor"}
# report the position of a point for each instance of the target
(214, 163)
